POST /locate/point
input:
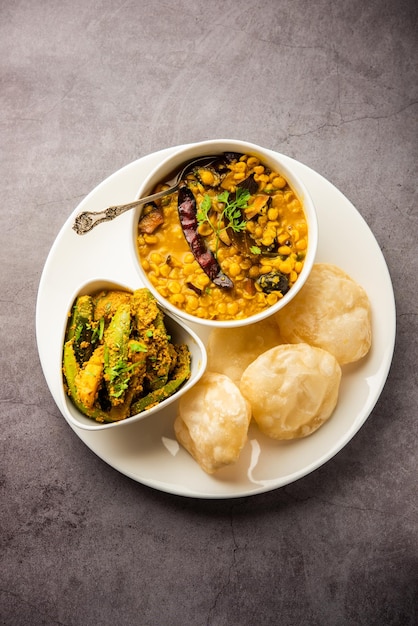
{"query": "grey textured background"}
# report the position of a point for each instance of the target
(87, 87)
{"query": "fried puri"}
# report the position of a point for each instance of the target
(332, 312)
(212, 422)
(231, 350)
(292, 389)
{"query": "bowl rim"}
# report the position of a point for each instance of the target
(194, 150)
(72, 413)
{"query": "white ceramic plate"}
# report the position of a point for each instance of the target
(146, 451)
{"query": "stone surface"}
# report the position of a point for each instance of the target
(85, 89)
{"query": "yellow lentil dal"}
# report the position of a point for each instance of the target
(272, 243)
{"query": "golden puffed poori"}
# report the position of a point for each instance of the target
(292, 389)
(231, 350)
(212, 422)
(331, 311)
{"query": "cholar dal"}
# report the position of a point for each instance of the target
(252, 227)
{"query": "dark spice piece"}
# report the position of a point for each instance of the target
(195, 289)
(250, 184)
(273, 281)
(205, 258)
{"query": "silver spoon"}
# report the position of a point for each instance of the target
(85, 221)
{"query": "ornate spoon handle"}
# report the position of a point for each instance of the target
(85, 221)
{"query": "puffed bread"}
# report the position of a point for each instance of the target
(331, 311)
(292, 390)
(212, 421)
(231, 350)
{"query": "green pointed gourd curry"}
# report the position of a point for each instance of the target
(118, 358)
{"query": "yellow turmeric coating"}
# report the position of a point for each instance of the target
(275, 220)
(89, 378)
(108, 301)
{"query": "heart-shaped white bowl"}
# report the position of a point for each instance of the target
(179, 333)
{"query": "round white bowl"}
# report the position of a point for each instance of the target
(274, 161)
(179, 332)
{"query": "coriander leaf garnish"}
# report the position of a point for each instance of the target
(255, 250)
(120, 374)
(203, 212)
(230, 216)
(136, 346)
(232, 211)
